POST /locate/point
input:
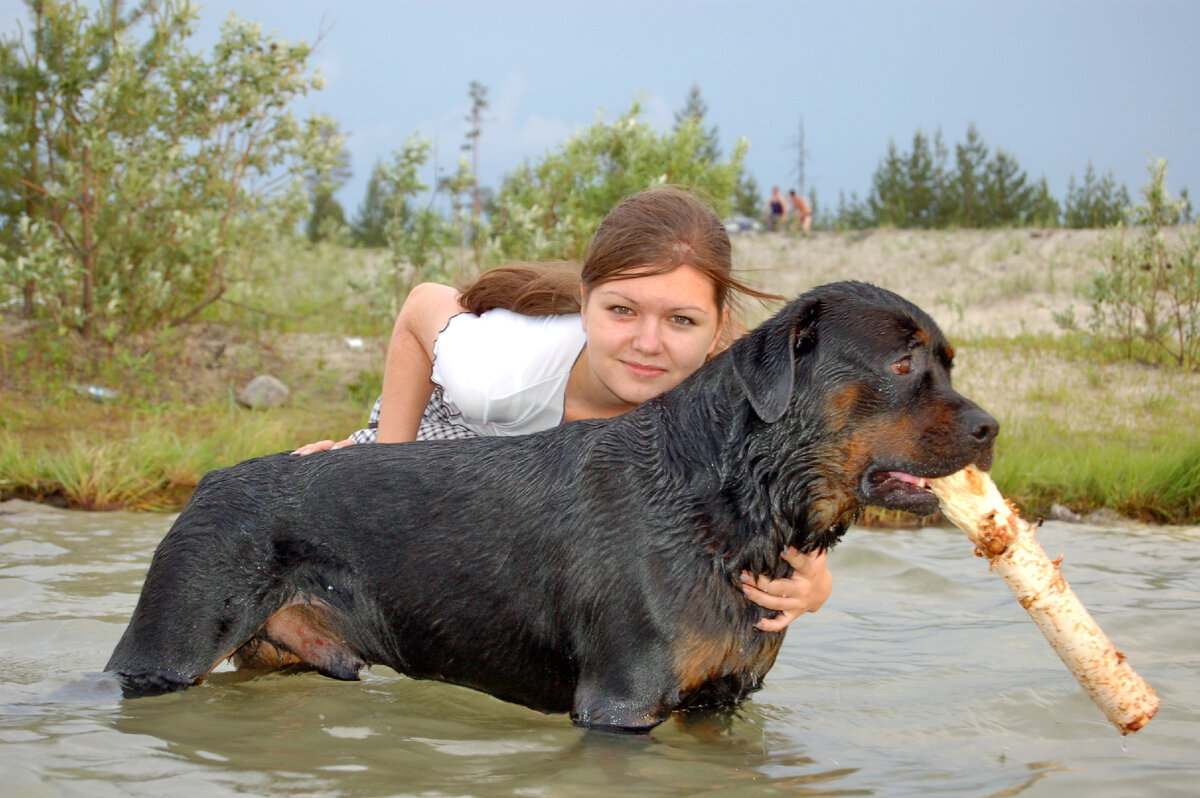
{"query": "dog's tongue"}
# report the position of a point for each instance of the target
(900, 476)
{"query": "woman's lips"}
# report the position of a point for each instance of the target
(642, 370)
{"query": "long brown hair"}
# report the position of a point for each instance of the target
(651, 232)
(544, 289)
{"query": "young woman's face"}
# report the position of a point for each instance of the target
(646, 334)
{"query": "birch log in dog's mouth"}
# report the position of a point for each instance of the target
(970, 499)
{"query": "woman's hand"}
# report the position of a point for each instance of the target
(804, 591)
(323, 446)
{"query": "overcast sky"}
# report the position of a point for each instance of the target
(1054, 83)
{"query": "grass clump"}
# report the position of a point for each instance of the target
(153, 459)
(1153, 477)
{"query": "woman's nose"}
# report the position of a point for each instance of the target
(647, 338)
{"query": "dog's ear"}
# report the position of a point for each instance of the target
(765, 363)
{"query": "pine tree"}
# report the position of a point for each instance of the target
(695, 108)
(887, 200)
(747, 199)
(1008, 197)
(369, 228)
(1097, 203)
(327, 218)
(965, 190)
(1044, 210)
(479, 104)
(922, 184)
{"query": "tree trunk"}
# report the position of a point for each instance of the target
(88, 246)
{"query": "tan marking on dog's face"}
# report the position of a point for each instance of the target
(893, 433)
(841, 406)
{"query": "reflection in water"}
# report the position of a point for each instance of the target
(922, 676)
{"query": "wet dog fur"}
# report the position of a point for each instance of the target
(590, 569)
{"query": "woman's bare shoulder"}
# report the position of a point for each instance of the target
(427, 310)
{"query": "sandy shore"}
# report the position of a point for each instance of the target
(972, 282)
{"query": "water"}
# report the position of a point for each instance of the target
(921, 677)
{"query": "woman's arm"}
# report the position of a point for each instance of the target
(406, 375)
(804, 591)
(407, 372)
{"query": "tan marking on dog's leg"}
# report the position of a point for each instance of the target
(261, 654)
(300, 633)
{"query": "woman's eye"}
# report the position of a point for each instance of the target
(683, 320)
(621, 310)
(903, 365)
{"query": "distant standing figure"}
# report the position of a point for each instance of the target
(776, 211)
(801, 211)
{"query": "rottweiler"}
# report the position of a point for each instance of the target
(592, 568)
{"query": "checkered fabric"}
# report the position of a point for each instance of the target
(438, 423)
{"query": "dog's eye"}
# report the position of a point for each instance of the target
(903, 365)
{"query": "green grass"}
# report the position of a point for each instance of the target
(152, 459)
(141, 456)
(1153, 476)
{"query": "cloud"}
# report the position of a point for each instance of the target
(513, 132)
(329, 67)
(657, 112)
(511, 135)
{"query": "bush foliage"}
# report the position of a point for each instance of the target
(1147, 289)
(551, 208)
(140, 178)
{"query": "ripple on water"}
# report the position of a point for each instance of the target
(922, 676)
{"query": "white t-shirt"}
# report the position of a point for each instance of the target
(503, 373)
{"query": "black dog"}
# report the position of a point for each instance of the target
(591, 569)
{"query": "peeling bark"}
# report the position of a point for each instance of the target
(971, 501)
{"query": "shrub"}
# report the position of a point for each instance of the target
(1148, 287)
(551, 209)
(141, 180)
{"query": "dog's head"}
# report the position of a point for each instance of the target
(863, 376)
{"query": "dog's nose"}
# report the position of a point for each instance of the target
(982, 427)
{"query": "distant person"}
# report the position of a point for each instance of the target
(776, 211)
(801, 212)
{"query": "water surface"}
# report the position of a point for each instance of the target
(922, 676)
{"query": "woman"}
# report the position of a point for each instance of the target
(523, 349)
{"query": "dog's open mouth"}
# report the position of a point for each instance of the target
(898, 490)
